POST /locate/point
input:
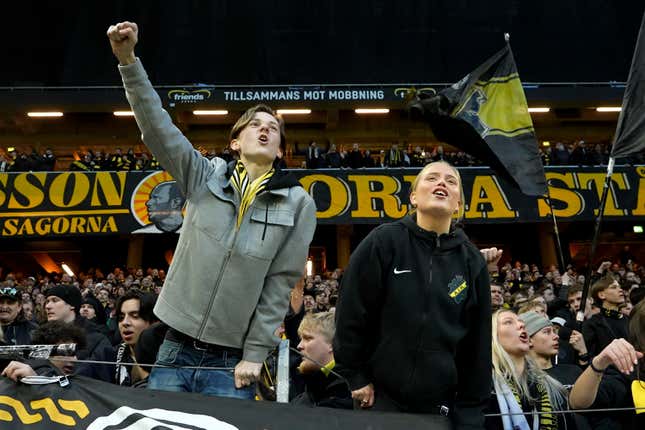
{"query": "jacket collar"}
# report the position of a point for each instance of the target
(279, 183)
(452, 239)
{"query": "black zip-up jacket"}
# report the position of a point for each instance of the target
(414, 319)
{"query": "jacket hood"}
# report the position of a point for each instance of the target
(454, 238)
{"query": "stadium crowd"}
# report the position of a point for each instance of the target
(109, 315)
(576, 153)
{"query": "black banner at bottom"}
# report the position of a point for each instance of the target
(93, 405)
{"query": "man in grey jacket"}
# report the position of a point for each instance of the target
(243, 244)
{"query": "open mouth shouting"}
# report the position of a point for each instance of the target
(440, 193)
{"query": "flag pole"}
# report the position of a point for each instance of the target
(556, 231)
(594, 241)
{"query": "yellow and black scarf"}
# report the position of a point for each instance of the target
(246, 189)
(548, 421)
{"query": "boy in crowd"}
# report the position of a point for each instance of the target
(609, 324)
(242, 247)
(63, 303)
(323, 387)
(134, 312)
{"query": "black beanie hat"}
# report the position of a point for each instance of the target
(69, 294)
(100, 318)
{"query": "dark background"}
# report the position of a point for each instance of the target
(55, 43)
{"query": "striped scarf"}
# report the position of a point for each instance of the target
(246, 189)
(543, 405)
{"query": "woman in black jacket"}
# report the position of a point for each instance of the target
(413, 317)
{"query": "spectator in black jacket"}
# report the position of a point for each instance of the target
(413, 315)
(613, 376)
(394, 157)
(134, 311)
(48, 160)
(63, 303)
(354, 158)
(17, 330)
(313, 156)
(333, 158)
(323, 386)
(609, 323)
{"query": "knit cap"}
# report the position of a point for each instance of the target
(69, 294)
(534, 322)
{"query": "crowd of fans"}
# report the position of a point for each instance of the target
(576, 153)
(110, 317)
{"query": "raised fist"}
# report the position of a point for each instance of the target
(123, 37)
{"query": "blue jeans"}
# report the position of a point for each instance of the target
(219, 383)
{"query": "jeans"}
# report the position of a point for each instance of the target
(219, 383)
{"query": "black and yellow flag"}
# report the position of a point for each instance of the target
(630, 131)
(486, 115)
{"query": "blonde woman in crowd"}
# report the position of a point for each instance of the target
(414, 311)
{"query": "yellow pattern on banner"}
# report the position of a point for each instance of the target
(21, 411)
(54, 414)
(76, 406)
(50, 408)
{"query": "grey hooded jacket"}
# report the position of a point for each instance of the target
(225, 286)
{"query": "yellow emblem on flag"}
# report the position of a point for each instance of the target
(496, 107)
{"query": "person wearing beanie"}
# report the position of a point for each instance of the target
(63, 303)
(92, 310)
(544, 345)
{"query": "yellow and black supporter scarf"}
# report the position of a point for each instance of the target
(247, 189)
(548, 421)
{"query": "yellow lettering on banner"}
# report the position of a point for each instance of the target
(26, 228)
(338, 191)
(20, 410)
(574, 203)
(78, 225)
(640, 201)
(110, 226)
(10, 227)
(94, 224)
(43, 226)
(54, 414)
(4, 177)
(60, 225)
(113, 197)
(61, 182)
(597, 180)
(366, 196)
(23, 187)
(487, 190)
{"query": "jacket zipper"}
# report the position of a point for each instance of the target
(217, 284)
(424, 317)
